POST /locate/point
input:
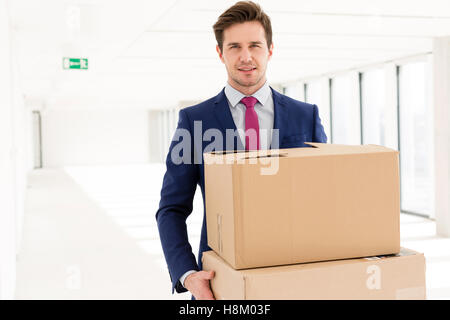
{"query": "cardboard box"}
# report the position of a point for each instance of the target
(390, 277)
(300, 205)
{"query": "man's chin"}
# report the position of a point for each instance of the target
(247, 83)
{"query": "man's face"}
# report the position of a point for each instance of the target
(245, 55)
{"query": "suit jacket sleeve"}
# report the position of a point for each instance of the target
(177, 193)
(318, 131)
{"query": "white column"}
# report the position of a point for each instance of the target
(441, 103)
(354, 136)
(301, 91)
(7, 168)
(295, 90)
(325, 106)
(165, 130)
(21, 158)
(391, 117)
(155, 136)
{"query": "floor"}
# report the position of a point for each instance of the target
(90, 233)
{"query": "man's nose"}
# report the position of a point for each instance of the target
(246, 56)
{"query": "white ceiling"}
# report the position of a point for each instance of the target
(152, 54)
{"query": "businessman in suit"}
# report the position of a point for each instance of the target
(246, 105)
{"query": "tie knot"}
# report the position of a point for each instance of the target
(249, 102)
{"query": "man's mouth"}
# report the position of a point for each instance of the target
(246, 69)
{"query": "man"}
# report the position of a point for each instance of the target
(247, 104)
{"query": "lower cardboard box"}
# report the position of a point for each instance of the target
(400, 276)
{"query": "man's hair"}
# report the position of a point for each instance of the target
(241, 12)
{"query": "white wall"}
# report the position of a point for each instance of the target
(7, 218)
(14, 157)
(441, 99)
(81, 136)
(22, 154)
(155, 136)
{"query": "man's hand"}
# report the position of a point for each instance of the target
(198, 284)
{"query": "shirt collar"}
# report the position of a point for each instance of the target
(234, 96)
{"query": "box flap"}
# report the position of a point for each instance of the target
(316, 149)
(346, 148)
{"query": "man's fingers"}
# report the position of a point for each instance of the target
(206, 275)
(209, 275)
(206, 294)
(198, 284)
(205, 297)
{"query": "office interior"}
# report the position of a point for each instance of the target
(83, 149)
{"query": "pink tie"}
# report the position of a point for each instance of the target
(251, 124)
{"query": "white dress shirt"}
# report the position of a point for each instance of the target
(264, 109)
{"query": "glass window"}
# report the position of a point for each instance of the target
(416, 153)
(345, 118)
(295, 91)
(317, 93)
(373, 106)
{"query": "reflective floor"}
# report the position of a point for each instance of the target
(90, 233)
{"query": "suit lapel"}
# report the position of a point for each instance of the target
(224, 117)
(280, 116)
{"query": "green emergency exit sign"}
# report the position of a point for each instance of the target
(75, 63)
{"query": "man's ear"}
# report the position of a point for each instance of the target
(220, 53)
(270, 50)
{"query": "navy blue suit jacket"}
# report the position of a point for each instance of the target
(298, 122)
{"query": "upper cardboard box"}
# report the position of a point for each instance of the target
(299, 205)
